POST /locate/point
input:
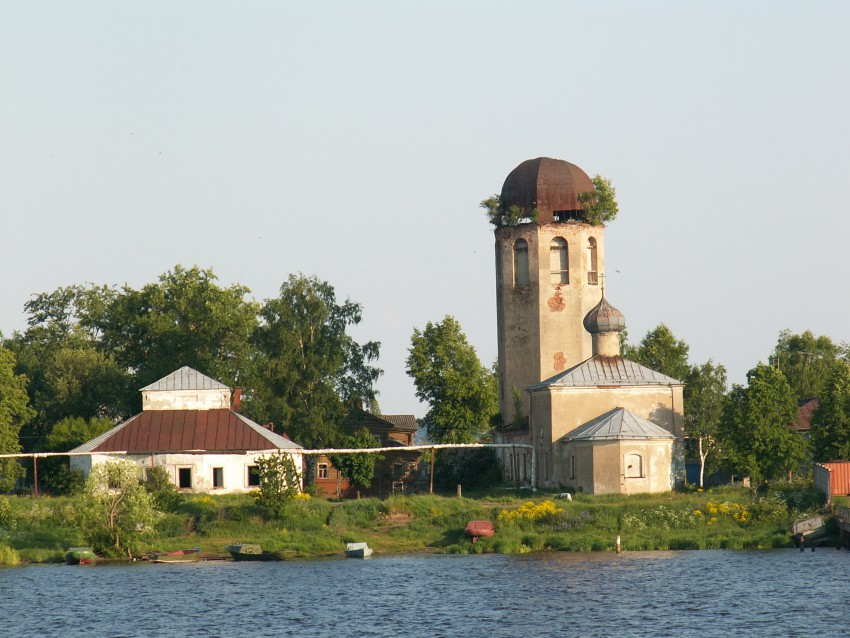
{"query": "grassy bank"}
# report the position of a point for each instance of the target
(40, 529)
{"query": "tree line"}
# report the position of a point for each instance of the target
(748, 429)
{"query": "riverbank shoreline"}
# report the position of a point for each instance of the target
(39, 530)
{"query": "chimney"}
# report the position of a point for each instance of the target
(237, 398)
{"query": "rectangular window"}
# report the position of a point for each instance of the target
(218, 477)
(322, 471)
(253, 476)
(184, 478)
(572, 467)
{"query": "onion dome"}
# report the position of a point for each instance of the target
(550, 185)
(604, 318)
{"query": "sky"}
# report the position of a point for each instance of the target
(354, 141)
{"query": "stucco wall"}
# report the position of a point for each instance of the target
(186, 399)
(600, 467)
(573, 407)
(235, 467)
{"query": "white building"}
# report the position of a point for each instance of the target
(189, 427)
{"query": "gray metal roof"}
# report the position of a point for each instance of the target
(618, 425)
(186, 378)
(275, 439)
(606, 371)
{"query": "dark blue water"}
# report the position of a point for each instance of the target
(704, 593)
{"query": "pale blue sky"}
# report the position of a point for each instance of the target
(354, 141)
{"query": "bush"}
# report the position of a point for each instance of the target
(7, 517)
(66, 481)
(166, 496)
(8, 556)
(279, 483)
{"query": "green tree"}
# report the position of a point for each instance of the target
(186, 319)
(500, 215)
(830, 426)
(705, 395)
(70, 432)
(68, 375)
(600, 205)
(358, 468)
(115, 513)
(462, 393)
(280, 482)
(14, 412)
(310, 371)
(756, 424)
(806, 361)
(661, 351)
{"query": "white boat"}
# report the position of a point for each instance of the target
(808, 531)
(358, 550)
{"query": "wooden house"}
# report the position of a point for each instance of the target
(395, 472)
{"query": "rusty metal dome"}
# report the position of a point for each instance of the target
(604, 317)
(549, 185)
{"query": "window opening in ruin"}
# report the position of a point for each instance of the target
(592, 266)
(521, 263)
(184, 478)
(559, 262)
(567, 215)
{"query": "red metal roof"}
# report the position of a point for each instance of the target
(546, 184)
(805, 411)
(174, 430)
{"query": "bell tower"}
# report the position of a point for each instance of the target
(548, 275)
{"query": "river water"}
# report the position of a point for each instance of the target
(699, 593)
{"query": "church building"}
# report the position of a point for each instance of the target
(599, 423)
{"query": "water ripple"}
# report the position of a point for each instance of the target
(708, 593)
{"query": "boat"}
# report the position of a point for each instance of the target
(80, 556)
(808, 531)
(253, 551)
(189, 555)
(358, 550)
(478, 529)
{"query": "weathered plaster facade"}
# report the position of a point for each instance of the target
(539, 322)
(606, 468)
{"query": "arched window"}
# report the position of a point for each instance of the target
(558, 262)
(634, 466)
(592, 265)
(521, 263)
